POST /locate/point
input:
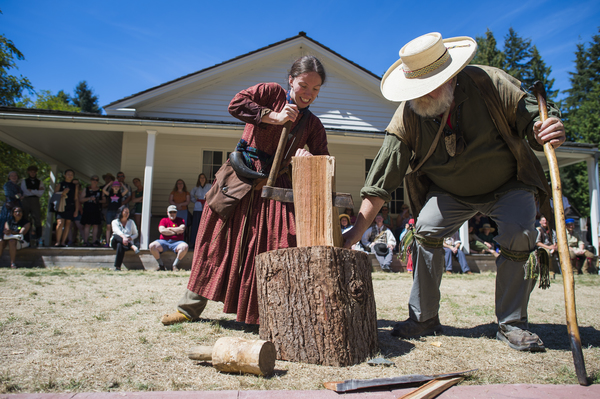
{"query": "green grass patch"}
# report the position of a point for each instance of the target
(136, 302)
(175, 328)
(563, 375)
(100, 317)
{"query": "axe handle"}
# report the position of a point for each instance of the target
(278, 154)
(563, 248)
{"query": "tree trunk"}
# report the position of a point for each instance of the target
(316, 304)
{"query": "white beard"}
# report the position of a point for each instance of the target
(428, 107)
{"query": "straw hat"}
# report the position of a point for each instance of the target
(425, 64)
(343, 215)
(487, 226)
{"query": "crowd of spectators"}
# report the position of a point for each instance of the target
(81, 210)
(84, 212)
(482, 231)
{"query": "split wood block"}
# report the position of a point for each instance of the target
(317, 220)
(238, 355)
(316, 304)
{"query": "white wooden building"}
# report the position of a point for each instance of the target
(181, 128)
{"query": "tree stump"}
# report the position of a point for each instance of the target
(316, 305)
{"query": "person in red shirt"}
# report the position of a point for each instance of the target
(171, 231)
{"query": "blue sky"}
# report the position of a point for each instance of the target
(124, 47)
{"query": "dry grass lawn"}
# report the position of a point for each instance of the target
(75, 330)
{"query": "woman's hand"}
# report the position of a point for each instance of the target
(288, 113)
(301, 152)
(125, 240)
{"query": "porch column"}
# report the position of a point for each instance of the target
(464, 236)
(47, 230)
(594, 185)
(147, 201)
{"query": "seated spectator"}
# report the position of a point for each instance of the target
(198, 197)
(478, 246)
(91, 197)
(409, 262)
(15, 234)
(33, 189)
(180, 197)
(113, 195)
(137, 198)
(478, 221)
(485, 233)
(387, 219)
(381, 241)
(350, 212)
(452, 249)
(13, 194)
(345, 222)
(546, 238)
(583, 260)
(124, 233)
(171, 230)
(401, 222)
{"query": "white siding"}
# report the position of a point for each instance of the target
(349, 100)
(177, 157)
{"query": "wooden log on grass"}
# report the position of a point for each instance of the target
(238, 355)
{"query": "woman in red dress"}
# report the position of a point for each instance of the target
(223, 264)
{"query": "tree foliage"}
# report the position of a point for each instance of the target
(586, 75)
(582, 118)
(518, 58)
(11, 87)
(487, 51)
(85, 99)
(14, 159)
(46, 100)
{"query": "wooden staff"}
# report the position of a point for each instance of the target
(563, 248)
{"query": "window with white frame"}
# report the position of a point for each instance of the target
(211, 162)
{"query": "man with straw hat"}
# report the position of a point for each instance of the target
(455, 124)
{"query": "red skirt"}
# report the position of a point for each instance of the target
(223, 265)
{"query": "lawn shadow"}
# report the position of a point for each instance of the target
(556, 336)
(390, 346)
(275, 373)
(233, 325)
(483, 330)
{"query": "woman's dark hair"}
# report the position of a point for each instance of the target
(184, 186)
(305, 64)
(121, 210)
(205, 180)
(12, 213)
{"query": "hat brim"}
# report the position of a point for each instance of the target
(396, 87)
